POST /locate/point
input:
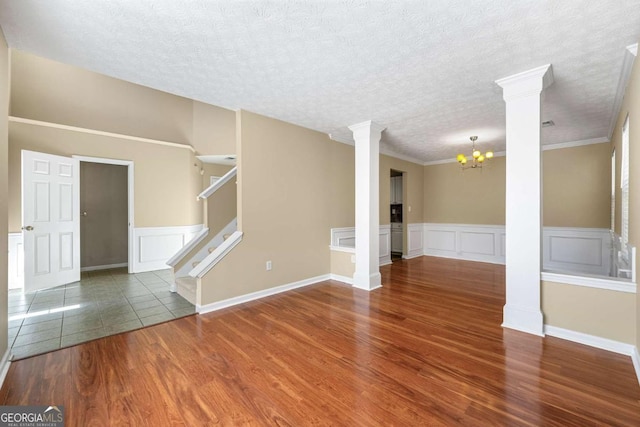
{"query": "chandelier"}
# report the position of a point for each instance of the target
(477, 158)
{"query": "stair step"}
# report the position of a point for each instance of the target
(187, 288)
(212, 248)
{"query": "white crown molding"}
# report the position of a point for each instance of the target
(383, 151)
(348, 141)
(399, 156)
(578, 143)
(453, 160)
(568, 144)
(527, 82)
(630, 54)
(15, 119)
(369, 124)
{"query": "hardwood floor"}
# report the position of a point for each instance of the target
(426, 349)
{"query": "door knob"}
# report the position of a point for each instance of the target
(84, 214)
(28, 228)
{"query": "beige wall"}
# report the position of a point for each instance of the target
(577, 187)
(222, 207)
(576, 190)
(50, 91)
(343, 181)
(599, 312)
(212, 170)
(103, 230)
(469, 197)
(166, 182)
(341, 263)
(630, 106)
(4, 111)
(214, 129)
(283, 208)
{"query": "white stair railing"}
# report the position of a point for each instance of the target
(216, 256)
(218, 184)
(174, 260)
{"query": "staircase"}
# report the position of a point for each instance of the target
(187, 288)
(206, 249)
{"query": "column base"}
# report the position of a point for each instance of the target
(523, 319)
(367, 282)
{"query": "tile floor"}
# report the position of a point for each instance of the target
(103, 303)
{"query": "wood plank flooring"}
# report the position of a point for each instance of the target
(426, 349)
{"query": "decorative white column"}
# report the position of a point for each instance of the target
(523, 95)
(367, 138)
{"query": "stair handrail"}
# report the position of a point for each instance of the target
(218, 184)
(175, 259)
(216, 256)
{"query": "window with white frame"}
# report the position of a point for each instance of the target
(624, 187)
(613, 191)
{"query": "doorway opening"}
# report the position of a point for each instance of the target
(396, 213)
(104, 216)
(106, 213)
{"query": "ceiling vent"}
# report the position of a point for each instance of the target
(548, 123)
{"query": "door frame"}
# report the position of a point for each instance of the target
(130, 199)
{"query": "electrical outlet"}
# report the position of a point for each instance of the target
(269, 265)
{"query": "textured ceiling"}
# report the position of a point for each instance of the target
(425, 70)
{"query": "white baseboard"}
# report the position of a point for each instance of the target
(4, 366)
(154, 246)
(592, 341)
(635, 358)
(219, 305)
(343, 279)
(104, 267)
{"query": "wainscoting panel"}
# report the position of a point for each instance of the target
(345, 239)
(477, 243)
(16, 261)
(465, 241)
(565, 249)
(441, 240)
(385, 244)
(154, 246)
(579, 250)
(415, 240)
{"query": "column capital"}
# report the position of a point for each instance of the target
(369, 124)
(529, 82)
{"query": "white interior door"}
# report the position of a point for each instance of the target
(50, 220)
